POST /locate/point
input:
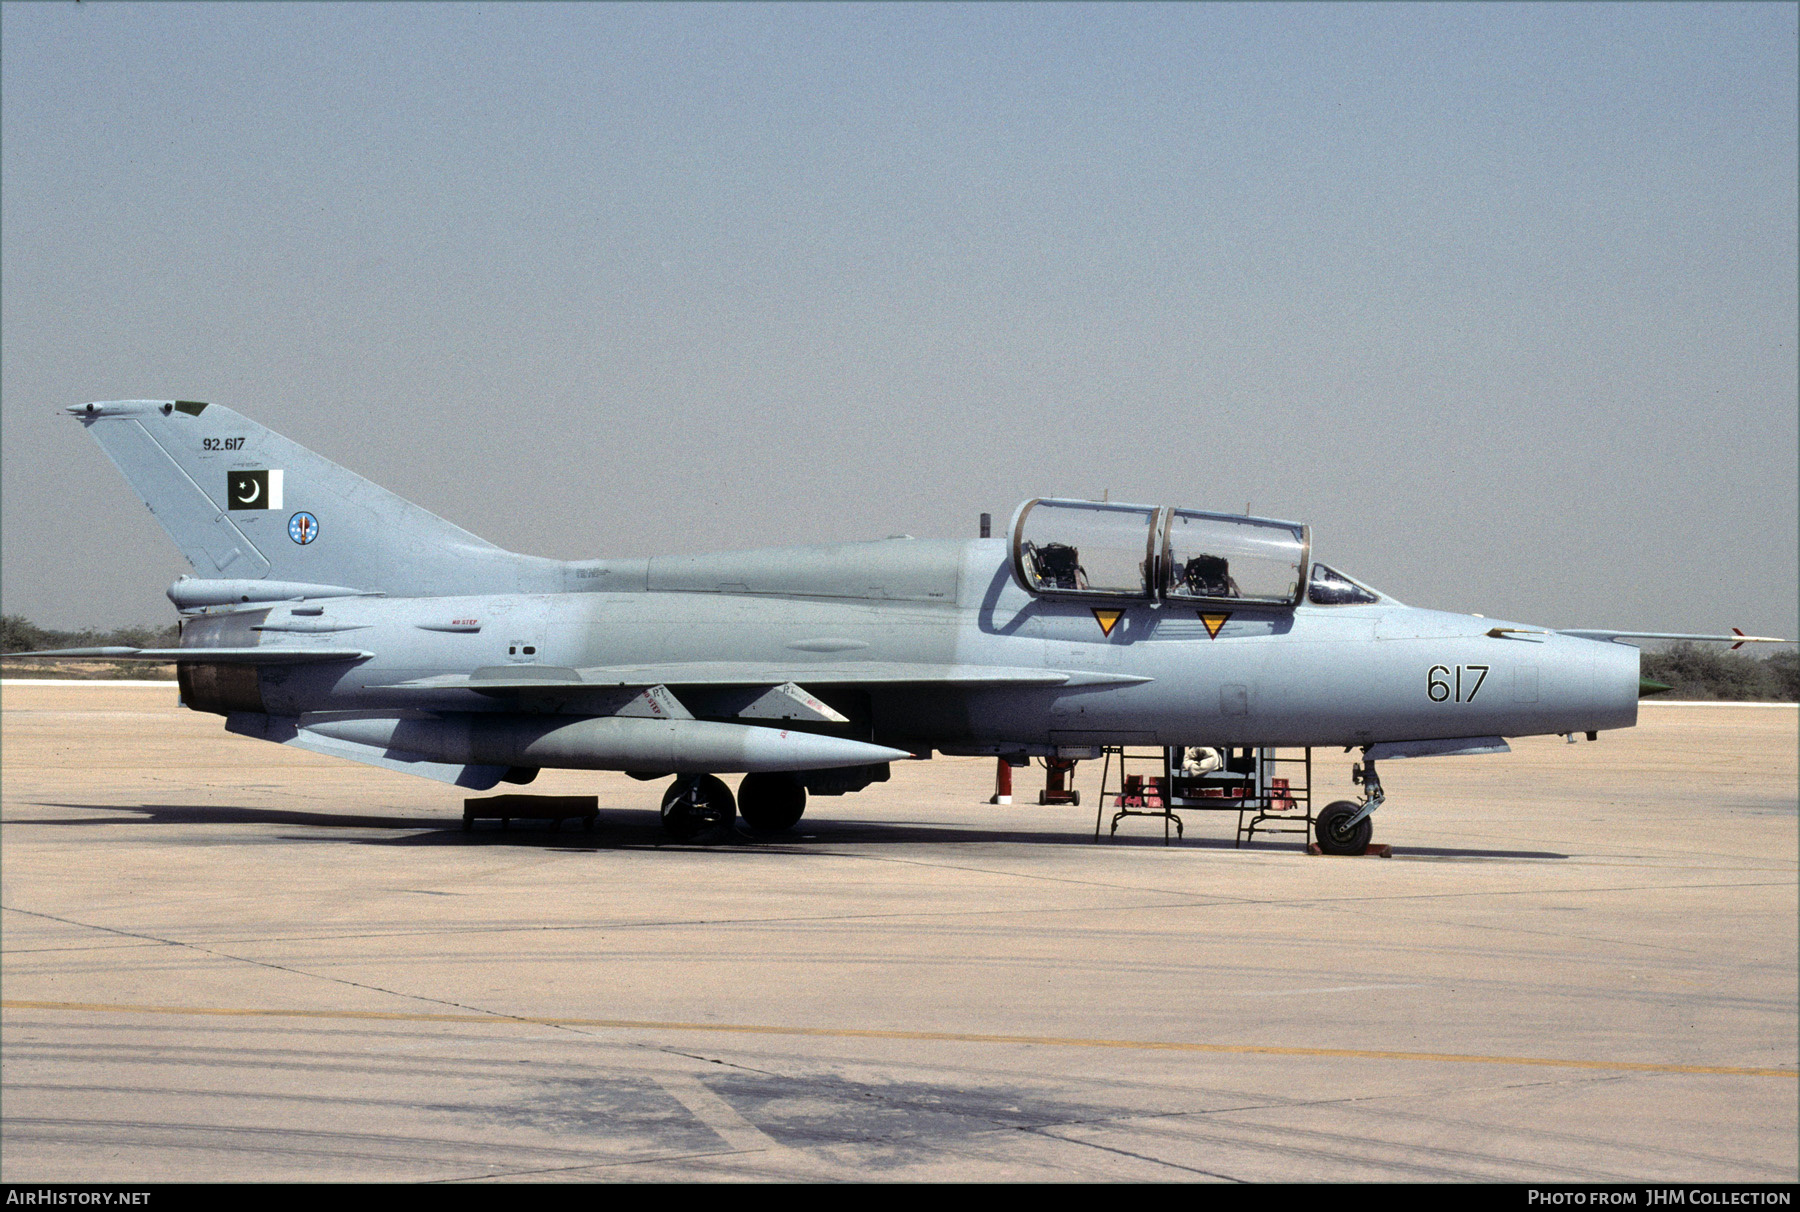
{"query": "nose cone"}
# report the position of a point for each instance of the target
(1648, 687)
(1613, 685)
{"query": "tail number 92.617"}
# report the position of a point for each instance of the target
(1455, 684)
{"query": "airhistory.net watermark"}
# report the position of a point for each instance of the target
(50, 1197)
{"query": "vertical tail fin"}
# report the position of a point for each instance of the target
(243, 502)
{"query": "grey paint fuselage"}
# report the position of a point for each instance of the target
(1306, 676)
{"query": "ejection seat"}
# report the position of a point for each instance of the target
(1209, 576)
(1057, 566)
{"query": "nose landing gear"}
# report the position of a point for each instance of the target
(1344, 827)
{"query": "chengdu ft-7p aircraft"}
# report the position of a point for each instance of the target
(330, 614)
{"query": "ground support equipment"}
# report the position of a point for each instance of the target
(1136, 794)
(557, 808)
(1269, 789)
(1058, 771)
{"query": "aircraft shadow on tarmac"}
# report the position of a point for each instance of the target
(627, 829)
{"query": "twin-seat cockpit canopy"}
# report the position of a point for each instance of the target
(1103, 550)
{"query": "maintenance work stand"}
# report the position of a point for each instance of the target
(1269, 789)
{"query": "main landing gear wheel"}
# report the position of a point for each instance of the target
(1333, 835)
(771, 803)
(698, 808)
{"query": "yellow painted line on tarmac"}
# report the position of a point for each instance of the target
(955, 1037)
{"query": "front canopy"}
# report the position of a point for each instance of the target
(1102, 550)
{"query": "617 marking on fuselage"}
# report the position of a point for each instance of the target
(1440, 691)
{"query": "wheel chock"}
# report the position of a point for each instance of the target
(1375, 850)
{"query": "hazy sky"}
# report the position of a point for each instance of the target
(1500, 299)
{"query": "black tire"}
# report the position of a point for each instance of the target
(1334, 838)
(771, 803)
(698, 808)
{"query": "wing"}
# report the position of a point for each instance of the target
(753, 690)
(273, 654)
(501, 678)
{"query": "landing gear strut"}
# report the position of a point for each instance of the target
(1344, 827)
(698, 808)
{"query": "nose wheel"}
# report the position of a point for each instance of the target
(698, 808)
(1344, 827)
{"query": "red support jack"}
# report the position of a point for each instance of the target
(1056, 782)
(1002, 783)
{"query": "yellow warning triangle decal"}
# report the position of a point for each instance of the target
(1214, 622)
(1108, 619)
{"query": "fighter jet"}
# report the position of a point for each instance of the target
(329, 614)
